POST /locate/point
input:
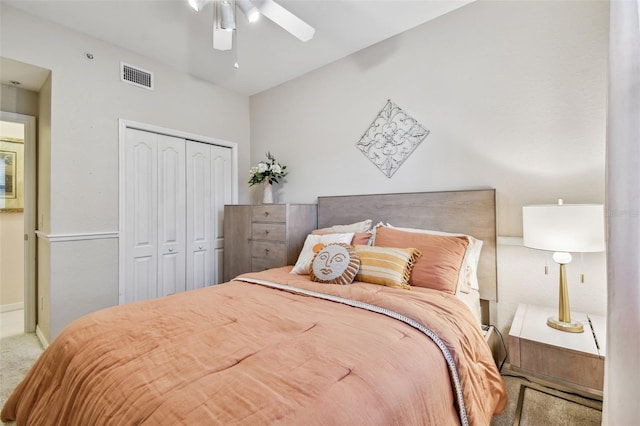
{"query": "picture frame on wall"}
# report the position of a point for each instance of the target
(11, 175)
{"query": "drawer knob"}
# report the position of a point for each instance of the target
(266, 214)
(170, 248)
(266, 251)
(266, 232)
(200, 247)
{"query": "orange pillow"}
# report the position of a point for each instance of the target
(359, 238)
(441, 259)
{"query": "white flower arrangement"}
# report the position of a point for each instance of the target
(269, 170)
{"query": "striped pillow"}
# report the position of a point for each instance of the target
(386, 266)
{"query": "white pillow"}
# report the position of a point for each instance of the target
(468, 276)
(363, 226)
(303, 265)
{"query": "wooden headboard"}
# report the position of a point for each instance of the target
(468, 212)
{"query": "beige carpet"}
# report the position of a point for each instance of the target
(531, 404)
(17, 355)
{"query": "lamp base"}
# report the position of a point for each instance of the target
(571, 327)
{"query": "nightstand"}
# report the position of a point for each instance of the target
(567, 361)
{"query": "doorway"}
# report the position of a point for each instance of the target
(17, 224)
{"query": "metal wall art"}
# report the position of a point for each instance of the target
(391, 138)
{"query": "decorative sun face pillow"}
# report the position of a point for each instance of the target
(335, 263)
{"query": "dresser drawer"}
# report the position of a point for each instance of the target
(269, 250)
(261, 264)
(268, 231)
(268, 213)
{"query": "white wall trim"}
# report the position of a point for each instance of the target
(11, 307)
(57, 238)
(40, 335)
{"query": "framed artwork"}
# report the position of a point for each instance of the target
(11, 175)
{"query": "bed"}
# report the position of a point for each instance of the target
(274, 347)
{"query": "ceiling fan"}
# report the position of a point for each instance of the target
(224, 19)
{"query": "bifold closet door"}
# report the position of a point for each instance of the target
(208, 190)
(154, 222)
(171, 215)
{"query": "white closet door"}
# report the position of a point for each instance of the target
(200, 270)
(222, 190)
(140, 225)
(208, 189)
(174, 192)
(171, 215)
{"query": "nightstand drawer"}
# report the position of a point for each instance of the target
(268, 231)
(560, 364)
(269, 250)
(268, 213)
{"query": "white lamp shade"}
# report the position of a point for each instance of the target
(564, 227)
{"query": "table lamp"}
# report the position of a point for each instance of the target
(564, 228)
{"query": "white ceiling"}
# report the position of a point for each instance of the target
(171, 32)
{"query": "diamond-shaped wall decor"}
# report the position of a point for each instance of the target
(391, 138)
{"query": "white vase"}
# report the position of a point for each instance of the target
(267, 194)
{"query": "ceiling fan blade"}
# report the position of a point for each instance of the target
(286, 20)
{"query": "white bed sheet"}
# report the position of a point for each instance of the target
(472, 300)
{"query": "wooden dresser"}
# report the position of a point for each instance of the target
(263, 236)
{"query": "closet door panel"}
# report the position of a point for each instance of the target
(171, 215)
(140, 222)
(222, 187)
(200, 269)
(143, 280)
(199, 218)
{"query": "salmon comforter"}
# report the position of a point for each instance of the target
(244, 353)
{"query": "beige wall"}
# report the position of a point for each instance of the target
(19, 101)
(80, 193)
(11, 260)
(514, 94)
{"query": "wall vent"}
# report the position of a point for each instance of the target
(136, 76)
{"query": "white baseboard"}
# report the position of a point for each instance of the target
(41, 337)
(11, 307)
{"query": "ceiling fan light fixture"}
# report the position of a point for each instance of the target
(227, 20)
(249, 10)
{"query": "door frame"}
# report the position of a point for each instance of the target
(128, 124)
(29, 215)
